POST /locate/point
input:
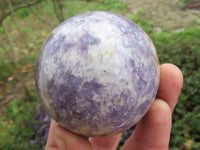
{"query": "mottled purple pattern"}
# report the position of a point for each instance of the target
(97, 73)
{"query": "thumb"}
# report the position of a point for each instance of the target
(66, 140)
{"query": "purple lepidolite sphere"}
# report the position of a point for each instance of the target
(97, 73)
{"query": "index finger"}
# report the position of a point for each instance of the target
(171, 81)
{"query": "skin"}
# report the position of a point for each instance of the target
(151, 133)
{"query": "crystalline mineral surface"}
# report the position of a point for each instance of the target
(97, 74)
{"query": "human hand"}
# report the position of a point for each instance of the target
(151, 133)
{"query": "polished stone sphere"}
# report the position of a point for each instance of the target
(97, 73)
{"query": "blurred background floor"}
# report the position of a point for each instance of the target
(168, 14)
